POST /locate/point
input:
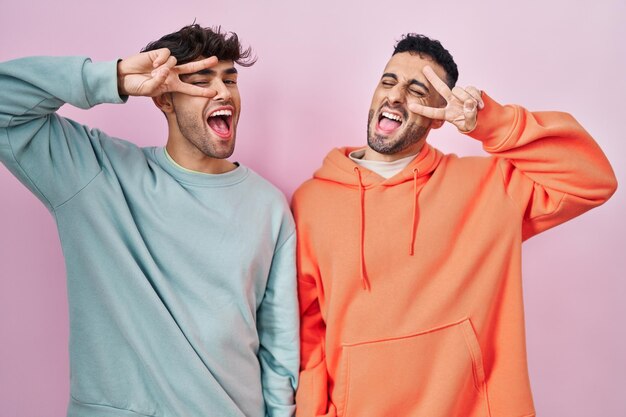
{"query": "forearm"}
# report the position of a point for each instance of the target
(550, 165)
(54, 157)
(278, 327)
(35, 87)
(551, 148)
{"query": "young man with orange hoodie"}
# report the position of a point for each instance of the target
(409, 260)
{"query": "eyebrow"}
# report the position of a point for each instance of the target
(413, 81)
(209, 71)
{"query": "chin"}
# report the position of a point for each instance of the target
(383, 144)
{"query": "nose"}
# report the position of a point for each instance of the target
(396, 94)
(223, 93)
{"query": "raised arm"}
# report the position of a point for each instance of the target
(56, 157)
(551, 167)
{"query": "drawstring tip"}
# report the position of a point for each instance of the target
(366, 284)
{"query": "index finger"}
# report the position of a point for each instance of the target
(441, 87)
(193, 90)
(437, 113)
(195, 66)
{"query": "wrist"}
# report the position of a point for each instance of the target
(120, 79)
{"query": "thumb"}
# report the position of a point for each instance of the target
(470, 112)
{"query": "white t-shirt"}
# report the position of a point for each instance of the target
(382, 168)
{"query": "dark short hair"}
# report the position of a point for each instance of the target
(194, 41)
(422, 45)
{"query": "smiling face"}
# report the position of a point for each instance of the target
(202, 129)
(394, 132)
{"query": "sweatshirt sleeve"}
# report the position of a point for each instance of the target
(279, 351)
(551, 167)
(54, 157)
(312, 397)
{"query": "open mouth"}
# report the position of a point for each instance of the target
(388, 122)
(220, 121)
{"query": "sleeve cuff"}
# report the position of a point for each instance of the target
(495, 124)
(100, 80)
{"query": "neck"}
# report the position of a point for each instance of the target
(195, 160)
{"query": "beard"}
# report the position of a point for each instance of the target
(408, 136)
(202, 137)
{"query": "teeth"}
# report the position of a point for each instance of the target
(221, 113)
(392, 116)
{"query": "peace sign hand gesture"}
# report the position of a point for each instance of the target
(462, 104)
(155, 72)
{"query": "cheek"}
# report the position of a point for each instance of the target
(416, 119)
(192, 104)
(377, 98)
(438, 101)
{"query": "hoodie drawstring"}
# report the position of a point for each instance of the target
(364, 280)
(414, 224)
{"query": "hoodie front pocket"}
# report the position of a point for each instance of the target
(435, 373)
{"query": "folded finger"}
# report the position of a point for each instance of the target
(166, 66)
(461, 94)
(160, 57)
(477, 95)
(154, 84)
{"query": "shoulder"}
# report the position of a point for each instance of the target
(316, 198)
(270, 204)
(121, 149)
(311, 188)
(473, 172)
(262, 189)
(466, 164)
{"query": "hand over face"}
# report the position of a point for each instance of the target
(155, 72)
(462, 104)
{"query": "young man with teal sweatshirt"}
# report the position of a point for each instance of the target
(180, 264)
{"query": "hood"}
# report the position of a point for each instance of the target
(338, 167)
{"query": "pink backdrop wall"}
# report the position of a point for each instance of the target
(310, 91)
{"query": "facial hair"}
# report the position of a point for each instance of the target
(410, 135)
(200, 135)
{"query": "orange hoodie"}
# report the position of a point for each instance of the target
(410, 287)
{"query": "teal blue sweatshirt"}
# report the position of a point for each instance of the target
(181, 285)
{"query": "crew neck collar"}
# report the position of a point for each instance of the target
(188, 176)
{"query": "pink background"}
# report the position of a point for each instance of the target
(310, 91)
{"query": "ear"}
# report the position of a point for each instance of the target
(436, 124)
(164, 103)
